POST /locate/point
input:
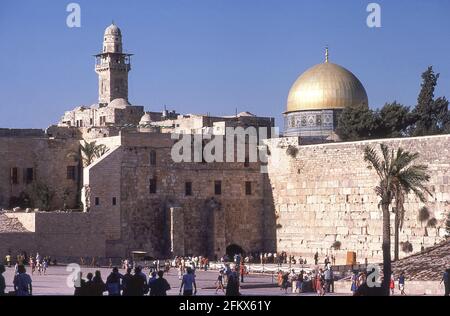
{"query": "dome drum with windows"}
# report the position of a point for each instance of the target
(317, 98)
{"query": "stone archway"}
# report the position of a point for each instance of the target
(234, 249)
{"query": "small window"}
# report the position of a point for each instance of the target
(29, 175)
(14, 175)
(152, 186)
(218, 187)
(90, 121)
(188, 188)
(97, 201)
(153, 158)
(114, 201)
(248, 188)
(71, 173)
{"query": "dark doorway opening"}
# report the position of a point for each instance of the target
(234, 249)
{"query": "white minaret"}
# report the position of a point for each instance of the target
(112, 67)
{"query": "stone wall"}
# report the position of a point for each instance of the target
(325, 193)
(12, 132)
(66, 236)
(49, 159)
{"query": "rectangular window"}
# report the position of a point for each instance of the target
(188, 188)
(114, 201)
(152, 186)
(14, 175)
(29, 175)
(248, 188)
(153, 158)
(97, 201)
(90, 121)
(217, 187)
(71, 172)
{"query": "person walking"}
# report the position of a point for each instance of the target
(285, 282)
(354, 286)
(139, 285)
(401, 283)
(242, 271)
(152, 278)
(219, 282)
(113, 283)
(319, 281)
(206, 264)
(126, 283)
(300, 282)
(88, 288)
(22, 282)
(446, 280)
(98, 286)
(79, 284)
(45, 265)
(188, 285)
(32, 265)
(392, 284)
(233, 284)
(160, 286)
(327, 276)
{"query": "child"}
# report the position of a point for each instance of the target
(392, 284)
(219, 282)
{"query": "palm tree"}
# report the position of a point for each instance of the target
(397, 178)
(91, 150)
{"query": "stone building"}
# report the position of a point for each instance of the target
(297, 197)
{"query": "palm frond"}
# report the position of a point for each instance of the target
(371, 156)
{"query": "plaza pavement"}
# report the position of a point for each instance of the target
(55, 282)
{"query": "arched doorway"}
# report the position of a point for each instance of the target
(234, 249)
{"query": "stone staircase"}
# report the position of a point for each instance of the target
(10, 225)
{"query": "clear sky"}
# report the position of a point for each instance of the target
(199, 56)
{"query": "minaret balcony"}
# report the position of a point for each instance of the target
(114, 66)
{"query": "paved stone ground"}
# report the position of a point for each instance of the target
(54, 283)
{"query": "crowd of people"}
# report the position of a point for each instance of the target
(136, 283)
(35, 262)
(320, 281)
(128, 284)
(231, 274)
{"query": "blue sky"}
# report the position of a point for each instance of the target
(199, 56)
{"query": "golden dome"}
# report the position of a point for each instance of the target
(324, 87)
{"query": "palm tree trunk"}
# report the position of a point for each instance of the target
(397, 237)
(386, 248)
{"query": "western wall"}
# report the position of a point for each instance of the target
(325, 193)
